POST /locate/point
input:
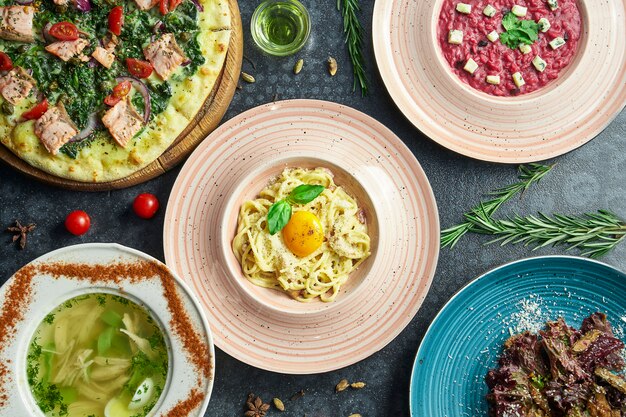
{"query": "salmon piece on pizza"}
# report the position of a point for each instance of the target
(123, 122)
(103, 56)
(67, 50)
(110, 41)
(165, 55)
(55, 128)
(146, 4)
(16, 85)
(17, 23)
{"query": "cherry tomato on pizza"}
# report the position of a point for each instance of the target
(174, 4)
(164, 6)
(119, 92)
(64, 31)
(6, 63)
(116, 20)
(37, 111)
(138, 68)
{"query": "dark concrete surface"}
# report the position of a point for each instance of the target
(587, 179)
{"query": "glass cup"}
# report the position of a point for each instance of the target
(280, 27)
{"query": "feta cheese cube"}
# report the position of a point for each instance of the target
(539, 63)
(519, 11)
(489, 11)
(525, 49)
(557, 42)
(553, 4)
(493, 36)
(455, 37)
(464, 8)
(493, 79)
(518, 79)
(544, 24)
(470, 66)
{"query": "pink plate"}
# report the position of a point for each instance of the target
(263, 327)
(549, 122)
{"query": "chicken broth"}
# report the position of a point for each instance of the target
(97, 355)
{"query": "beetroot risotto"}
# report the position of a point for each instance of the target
(509, 47)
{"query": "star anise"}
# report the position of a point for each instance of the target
(256, 407)
(20, 232)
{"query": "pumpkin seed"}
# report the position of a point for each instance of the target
(298, 67)
(279, 404)
(247, 77)
(332, 66)
(342, 385)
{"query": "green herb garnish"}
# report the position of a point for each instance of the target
(528, 175)
(354, 39)
(72, 149)
(278, 216)
(121, 300)
(538, 381)
(143, 367)
(160, 95)
(156, 341)
(304, 194)
(518, 31)
(594, 234)
(279, 213)
(47, 396)
(101, 300)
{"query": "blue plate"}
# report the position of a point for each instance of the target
(465, 339)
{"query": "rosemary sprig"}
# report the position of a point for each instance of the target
(594, 234)
(528, 175)
(354, 38)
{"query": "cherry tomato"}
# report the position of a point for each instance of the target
(145, 205)
(64, 31)
(138, 68)
(119, 92)
(77, 222)
(5, 62)
(122, 89)
(116, 20)
(164, 6)
(37, 111)
(174, 4)
(111, 101)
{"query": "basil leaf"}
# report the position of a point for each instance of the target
(305, 193)
(278, 216)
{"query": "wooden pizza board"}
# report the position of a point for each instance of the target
(207, 119)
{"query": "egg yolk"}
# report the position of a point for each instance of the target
(303, 233)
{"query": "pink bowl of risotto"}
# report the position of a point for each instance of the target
(507, 81)
(480, 23)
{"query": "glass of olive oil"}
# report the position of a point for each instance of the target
(280, 27)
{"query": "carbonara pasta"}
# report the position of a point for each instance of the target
(267, 261)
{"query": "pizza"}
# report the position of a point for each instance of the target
(95, 90)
